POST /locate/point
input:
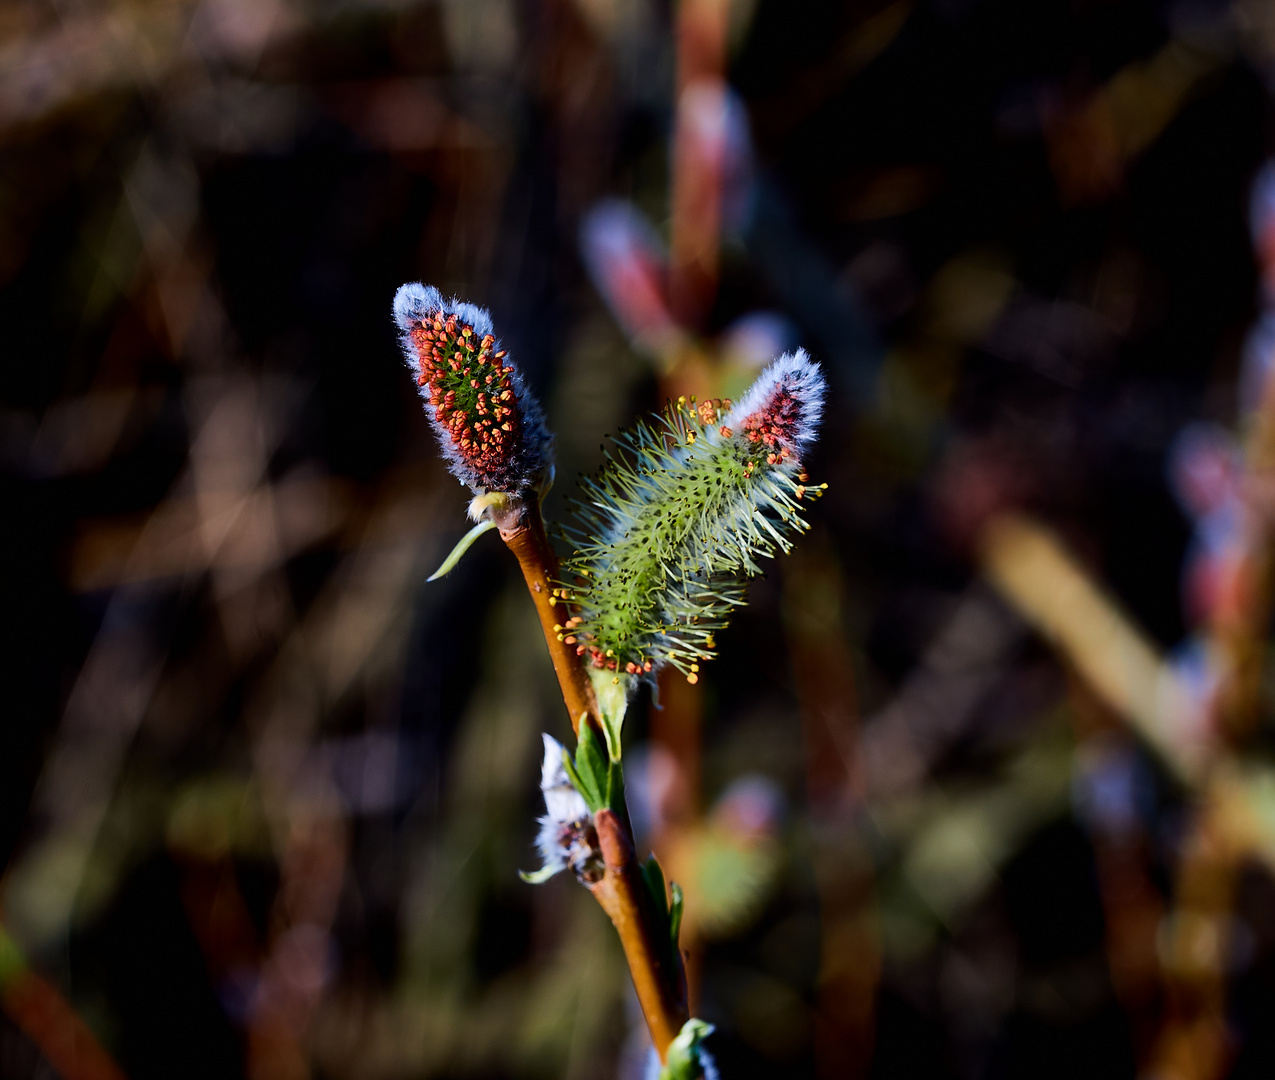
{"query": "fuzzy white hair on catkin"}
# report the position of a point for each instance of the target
(531, 456)
(801, 377)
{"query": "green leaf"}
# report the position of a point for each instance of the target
(675, 914)
(450, 562)
(615, 787)
(683, 1061)
(668, 915)
(653, 875)
(613, 700)
(591, 764)
(578, 782)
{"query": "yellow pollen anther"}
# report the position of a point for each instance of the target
(692, 678)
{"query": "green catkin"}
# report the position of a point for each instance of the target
(675, 523)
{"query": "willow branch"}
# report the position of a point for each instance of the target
(622, 894)
(527, 540)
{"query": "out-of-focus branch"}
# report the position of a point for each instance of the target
(46, 1018)
(1053, 592)
(850, 957)
(1193, 1043)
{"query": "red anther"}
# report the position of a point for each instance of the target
(488, 341)
(726, 432)
(501, 355)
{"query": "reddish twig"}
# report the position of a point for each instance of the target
(64, 1040)
(528, 542)
(621, 892)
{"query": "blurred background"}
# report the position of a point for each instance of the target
(981, 784)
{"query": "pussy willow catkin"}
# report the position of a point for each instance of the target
(669, 530)
(488, 424)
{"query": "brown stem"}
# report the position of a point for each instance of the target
(62, 1037)
(621, 892)
(539, 564)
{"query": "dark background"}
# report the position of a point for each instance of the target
(263, 791)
